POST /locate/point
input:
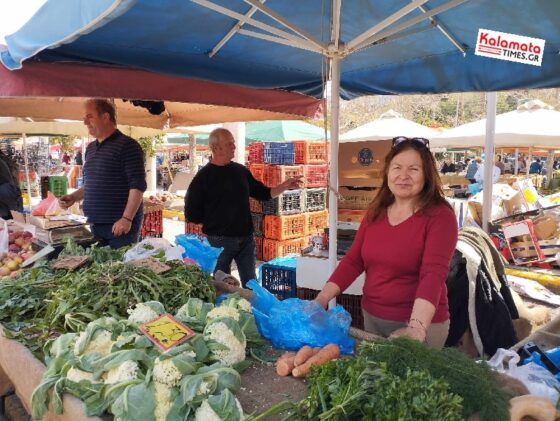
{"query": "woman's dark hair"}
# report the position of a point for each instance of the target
(431, 194)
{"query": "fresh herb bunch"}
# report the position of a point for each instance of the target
(474, 382)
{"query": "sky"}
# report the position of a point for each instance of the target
(14, 13)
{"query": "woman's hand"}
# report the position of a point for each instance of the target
(416, 333)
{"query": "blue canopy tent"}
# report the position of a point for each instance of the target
(362, 46)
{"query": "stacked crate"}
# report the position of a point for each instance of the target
(288, 220)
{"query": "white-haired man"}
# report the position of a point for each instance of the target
(218, 198)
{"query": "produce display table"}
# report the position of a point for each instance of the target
(20, 369)
(261, 387)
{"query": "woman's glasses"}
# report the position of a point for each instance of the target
(399, 140)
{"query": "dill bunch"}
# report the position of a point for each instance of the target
(474, 382)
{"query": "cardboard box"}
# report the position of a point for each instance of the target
(347, 215)
(454, 180)
(360, 164)
(356, 198)
(545, 228)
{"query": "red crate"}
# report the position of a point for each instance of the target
(276, 174)
(284, 227)
(152, 225)
(259, 247)
(316, 222)
(255, 205)
(258, 171)
(192, 228)
(255, 153)
(315, 175)
(273, 248)
(310, 152)
(351, 303)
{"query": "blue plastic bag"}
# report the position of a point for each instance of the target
(199, 249)
(293, 323)
(475, 188)
(553, 354)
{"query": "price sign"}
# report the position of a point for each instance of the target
(166, 332)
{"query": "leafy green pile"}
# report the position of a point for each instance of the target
(398, 379)
(113, 368)
(41, 303)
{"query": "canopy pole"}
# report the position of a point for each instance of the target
(516, 170)
(529, 160)
(26, 164)
(549, 167)
(192, 153)
(489, 161)
(333, 173)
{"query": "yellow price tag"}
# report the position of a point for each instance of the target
(166, 332)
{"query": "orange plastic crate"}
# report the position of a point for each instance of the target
(191, 228)
(255, 153)
(273, 248)
(258, 171)
(310, 152)
(284, 227)
(259, 247)
(276, 174)
(255, 205)
(316, 222)
(315, 175)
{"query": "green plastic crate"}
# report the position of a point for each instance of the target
(58, 185)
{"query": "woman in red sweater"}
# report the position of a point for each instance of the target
(404, 245)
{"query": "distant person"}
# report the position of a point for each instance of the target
(500, 164)
(78, 159)
(10, 194)
(535, 167)
(448, 167)
(66, 159)
(472, 168)
(479, 176)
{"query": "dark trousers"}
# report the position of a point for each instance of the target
(240, 249)
(104, 232)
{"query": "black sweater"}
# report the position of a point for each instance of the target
(218, 198)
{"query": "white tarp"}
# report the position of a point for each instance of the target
(391, 124)
(533, 124)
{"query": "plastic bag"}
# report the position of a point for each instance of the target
(552, 354)
(43, 206)
(293, 323)
(538, 380)
(4, 236)
(147, 248)
(199, 250)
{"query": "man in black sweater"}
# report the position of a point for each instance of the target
(218, 198)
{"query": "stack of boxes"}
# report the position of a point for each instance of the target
(283, 225)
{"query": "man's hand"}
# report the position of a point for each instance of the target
(293, 183)
(121, 227)
(66, 201)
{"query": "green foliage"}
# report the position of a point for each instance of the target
(66, 142)
(148, 145)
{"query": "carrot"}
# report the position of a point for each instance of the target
(304, 353)
(285, 364)
(328, 353)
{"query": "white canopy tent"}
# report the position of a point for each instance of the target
(533, 124)
(387, 126)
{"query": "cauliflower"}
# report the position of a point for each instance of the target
(206, 413)
(124, 372)
(166, 373)
(203, 389)
(141, 314)
(76, 375)
(224, 311)
(244, 305)
(221, 333)
(163, 401)
(101, 343)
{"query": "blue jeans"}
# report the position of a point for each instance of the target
(104, 232)
(240, 249)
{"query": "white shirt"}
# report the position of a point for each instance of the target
(479, 176)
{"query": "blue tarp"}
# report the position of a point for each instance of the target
(175, 36)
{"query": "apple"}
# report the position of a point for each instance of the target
(12, 265)
(27, 235)
(18, 260)
(19, 241)
(4, 271)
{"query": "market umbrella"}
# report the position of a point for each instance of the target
(387, 126)
(282, 131)
(533, 124)
(363, 46)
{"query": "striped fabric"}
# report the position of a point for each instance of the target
(111, 169)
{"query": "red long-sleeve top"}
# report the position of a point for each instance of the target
(402, 262)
